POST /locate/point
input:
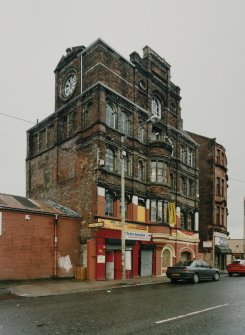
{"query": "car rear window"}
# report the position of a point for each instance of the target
(184, 263)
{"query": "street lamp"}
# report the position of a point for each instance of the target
(154, 119)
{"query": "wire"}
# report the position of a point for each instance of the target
(238, 180)
(17, 118)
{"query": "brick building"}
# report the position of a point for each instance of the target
(74, 157)
(37, 239)
(213, 209)
(237, 248)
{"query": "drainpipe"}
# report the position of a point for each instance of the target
(55, 245)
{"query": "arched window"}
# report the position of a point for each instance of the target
(156, 107)
(183, 154)
(141, 171)
(172, 182)
(124, 124)
(185, 256)
(190, 188)
(190, 157)
(141, 133)
(183, 186)
(166, 258)
(127, 165)
(109, 204)
(86, 112)
(109, 160)
(110, 116)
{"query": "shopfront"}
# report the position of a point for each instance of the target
(139, 251)
(222, 249)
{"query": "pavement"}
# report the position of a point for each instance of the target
(67, 286)
(42, 288)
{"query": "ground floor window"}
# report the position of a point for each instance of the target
(166, 258)
(186, 256)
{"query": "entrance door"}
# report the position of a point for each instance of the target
(110, 265)
(146, 263)
(118, 264)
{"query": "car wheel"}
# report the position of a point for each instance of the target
(230, 274)
(173, 280)
(216, 276)
(195, 278)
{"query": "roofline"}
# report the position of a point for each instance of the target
(14, 209)
(107, 45)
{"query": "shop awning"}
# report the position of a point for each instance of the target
(223, 249)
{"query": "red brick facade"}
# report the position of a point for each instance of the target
(74, 157)
(213, 208)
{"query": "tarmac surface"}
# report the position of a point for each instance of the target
(66, 286)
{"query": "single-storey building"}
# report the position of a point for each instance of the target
(38, 239)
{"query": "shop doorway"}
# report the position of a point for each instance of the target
(117, 264)
(146, 263)
(114, 264)
(110, 265)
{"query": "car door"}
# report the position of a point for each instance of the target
(208, 272)
(199, 269)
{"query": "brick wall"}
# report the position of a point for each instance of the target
(27, 246)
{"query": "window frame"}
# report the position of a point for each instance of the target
(158, 211)
(110, 159)
(109, 204)
(159, 171)
(156, 107)
(124, 123)
(183, 153)
(190, 157)
(141, 133)
(141, 170)
(183, 185)
(110, 116)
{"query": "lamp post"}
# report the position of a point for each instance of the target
(154, 119)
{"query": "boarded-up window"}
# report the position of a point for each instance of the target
(141, 211)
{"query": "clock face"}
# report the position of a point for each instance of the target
(70, 85)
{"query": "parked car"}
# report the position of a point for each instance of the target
(194, 271)
(236, 267)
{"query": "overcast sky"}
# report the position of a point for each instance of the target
(202, 40)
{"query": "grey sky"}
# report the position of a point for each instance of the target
(202, 40)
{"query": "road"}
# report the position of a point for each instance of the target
(206, 308)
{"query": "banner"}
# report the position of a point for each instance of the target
(172, 213)
(139, 236)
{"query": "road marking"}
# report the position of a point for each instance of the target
(193, 313)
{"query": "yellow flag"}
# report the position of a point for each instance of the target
(172, 213)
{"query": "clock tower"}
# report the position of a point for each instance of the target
(68, 77)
